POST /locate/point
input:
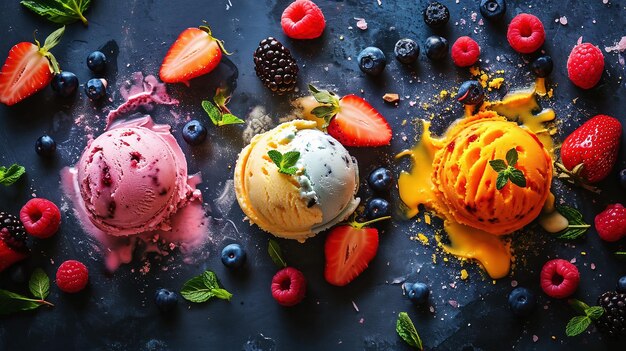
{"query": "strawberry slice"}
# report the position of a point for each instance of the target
(28, 69)
(349, 249)
(351, 120)
(193, 54)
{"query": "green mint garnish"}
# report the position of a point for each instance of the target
(620, 253)
(406, 330)
(203, 287)
(576, 227)
(276, 254)
(39, 286)
(506, 173)
(11, 175)
(218, 112)
(329, 101)
(579, 324)
(286, 162)
(59, 11)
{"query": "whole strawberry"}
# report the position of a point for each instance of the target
(611, 223)
(585, 65)
(590, 152)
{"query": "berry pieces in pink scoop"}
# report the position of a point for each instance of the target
(559, 278)
(72, 276)
(288, 286)
(526, 33)
(41, 218)
(611, 223)
(585, 65)
(465, 52)
(303, 20)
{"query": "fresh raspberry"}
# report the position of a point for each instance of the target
(465, 52)
(526, 33)
(559, 278)
(72, 276)
(303, 20)
(40, 217)
(288, 286)
(585, 65)
(611, 223)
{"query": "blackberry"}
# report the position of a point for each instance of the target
(613, 321)
(436, 15)
(275, 66)
(12, 232)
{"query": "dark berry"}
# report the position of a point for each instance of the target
(95, 88)
(376, 208)
(417, 292)
(613, 320)
(522, 301)
(372, 60)
(407, 51)
(194, 132)
(64, 84)
(380, 179)
(275, 66)
(436, 47)
(45, 146)
(96, 61)
(233, 256)
(471, 93)
(622, 178)
(492, 9)
(165, 300)
(436, 15)
(621, 285)
(542, 66)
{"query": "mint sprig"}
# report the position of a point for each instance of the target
(39, 286)
(286, 162)
(219, 114)
(508, 172)
(203, 287)
(579, 324)
(406, 330)
(576, 224)
(329, 101)
(11, 175)
(59, 11)
(273, 249)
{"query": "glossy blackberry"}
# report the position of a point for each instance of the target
(275, 66)
(436, 14)
(12, 232)
(613, 320)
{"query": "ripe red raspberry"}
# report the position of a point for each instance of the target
(559, 278)
(585, 65)
(526, 33)
(465, 52)
(611, 223)
(72, 276)
(303, 20)
(41, 218)
(288, 286)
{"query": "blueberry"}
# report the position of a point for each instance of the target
(417, 292)
(372, 60)
(621, 285)
(95, 88)
(492, 9)
(436, 47)
(471, 93)
(377, 208)
(194, 132)
(622, 178)
(436, 15)
(96, 61)
(165, 300)
(233, 256)
(380, 179)
(542, 66)
(522, 301)
(407, 51)
(64, 84)
(45, 146)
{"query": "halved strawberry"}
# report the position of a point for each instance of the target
(193, 54)
(349, 250)
(28, 69)
(351, 120)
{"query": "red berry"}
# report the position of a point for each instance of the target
(465, 52)
(288, 286)
(72, 276)
(611, 223)
(585, 65)
(303, 20)
(526, 33)
(41, 218)
(559, 278)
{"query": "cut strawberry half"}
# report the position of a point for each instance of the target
(194, 53)
(28, 69)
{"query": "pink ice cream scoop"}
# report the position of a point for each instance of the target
(133, 178)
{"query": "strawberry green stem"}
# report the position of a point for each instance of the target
(358, 225)
(579, 226)
(219, 42)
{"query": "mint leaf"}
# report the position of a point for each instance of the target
(594, 312)
(503, 177)
(39, 284)
(286, 162)
(508, 172)
(406, 330)
(577, 325)
(517, 177)
(195, 290)
(276, 157)
(576, 224)
(497, 165)
(620, 253)
(222, 294)
(290, 170)
(11, 302)
(276, 253)
(11, 175)
(214, 113)
(325, 112)
(210, 280)
(578, 305)
(511, 157)
(228, 118)
(59, 11)
(290, 158)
